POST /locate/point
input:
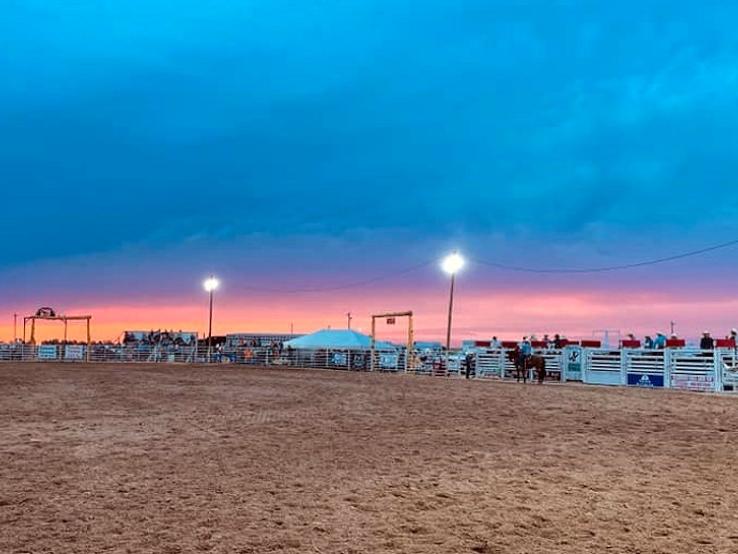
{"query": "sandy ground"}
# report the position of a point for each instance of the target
(187, 459)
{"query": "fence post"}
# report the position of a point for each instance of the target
(668, 354)
(717, 367)
(624, 362)
(585, 361)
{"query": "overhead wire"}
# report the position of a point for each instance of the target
(501, 266)
(601, 269)
(349, 285)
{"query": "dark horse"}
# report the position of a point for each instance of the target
(533, 362)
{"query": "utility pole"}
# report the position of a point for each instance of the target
(451, 264)
(348, 317)
(671, 323)
(210, 284)
(15, 328)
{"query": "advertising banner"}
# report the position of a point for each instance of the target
(47, 352)
(704, 382)
(74, 352)
(645, 380)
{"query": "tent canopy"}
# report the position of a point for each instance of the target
(337, 339)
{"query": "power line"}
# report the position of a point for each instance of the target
(349, 285)
(498, 265)
(603, 269)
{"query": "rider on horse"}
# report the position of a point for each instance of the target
(525, 350)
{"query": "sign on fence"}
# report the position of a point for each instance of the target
(573, 361)
(645, 380)
(388, 361)
(74, 352)
(47, 352)
(686, 381)
(339, 359)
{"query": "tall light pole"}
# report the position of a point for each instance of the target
(451, 264)
(210, 284)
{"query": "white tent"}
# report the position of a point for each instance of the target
(337, 339)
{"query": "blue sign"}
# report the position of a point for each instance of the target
(644, 380)
(339, 358)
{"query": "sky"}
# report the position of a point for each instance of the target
(284, 146)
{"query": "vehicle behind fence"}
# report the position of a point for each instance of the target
(678, 368)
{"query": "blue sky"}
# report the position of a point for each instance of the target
(147, 136)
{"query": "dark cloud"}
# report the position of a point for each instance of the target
(496, 123)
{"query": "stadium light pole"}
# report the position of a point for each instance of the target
(451, 264)
(210, 285)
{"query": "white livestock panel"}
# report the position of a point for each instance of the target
(728, 364)
(603, 367)
(6, 353)
(507, 364)
(645, 368)
(693, 370)
(489, 363)
(425, 361)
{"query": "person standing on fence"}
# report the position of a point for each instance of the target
(706, 343)
(660, 342)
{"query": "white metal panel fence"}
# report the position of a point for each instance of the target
(686, 369)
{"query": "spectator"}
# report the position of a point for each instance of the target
(648, 343)
(495, 343)
(469, 364)
(660, 342)
(631, 336)
(706, 343)
(558, 343)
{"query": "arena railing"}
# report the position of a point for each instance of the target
(679, 368)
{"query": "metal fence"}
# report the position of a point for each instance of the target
(685, 369)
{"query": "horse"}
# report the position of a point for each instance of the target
(521, 368)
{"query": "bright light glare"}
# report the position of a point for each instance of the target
(452, 263)
(210, 284)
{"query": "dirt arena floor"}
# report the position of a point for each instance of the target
(231, 460)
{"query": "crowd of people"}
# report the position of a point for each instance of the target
(557, 342)
(661, 341)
